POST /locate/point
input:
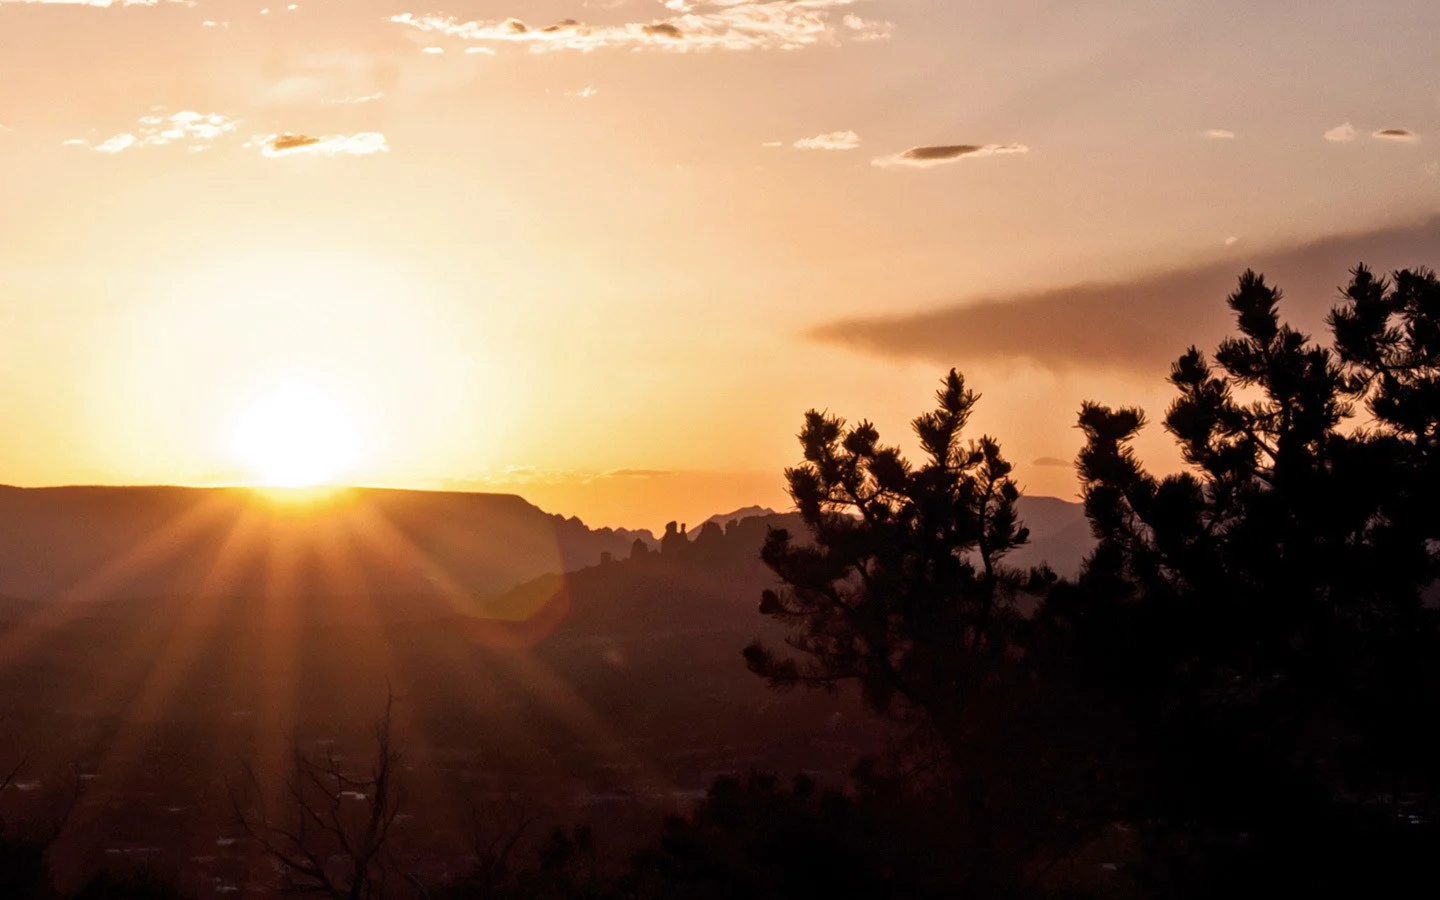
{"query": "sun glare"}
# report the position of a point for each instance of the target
(296, 436)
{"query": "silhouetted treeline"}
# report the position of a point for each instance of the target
(1238, 695)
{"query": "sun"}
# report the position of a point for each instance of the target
(295, 435)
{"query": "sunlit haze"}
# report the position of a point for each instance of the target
(608, 265)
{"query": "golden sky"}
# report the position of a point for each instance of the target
(606, 252)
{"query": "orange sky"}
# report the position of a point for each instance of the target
(610, 264)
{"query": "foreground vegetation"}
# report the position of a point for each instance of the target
(1237, 694)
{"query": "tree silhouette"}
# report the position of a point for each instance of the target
(25, 846)
(901, 586)
(22, 855)
(332, 839)
(1260, 615)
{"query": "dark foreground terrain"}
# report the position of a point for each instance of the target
(611, 694)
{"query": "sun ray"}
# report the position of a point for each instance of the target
(338, 558)
(191, 634)
(524, 669)
(70, 604)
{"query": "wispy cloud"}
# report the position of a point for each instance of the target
(99, 4)
(355, 101)
(1341, 134)
(862, 29)
(537, 475)
(198, 131)
(1218, 134)
(834, 140)
(193, 130)
(929, 157)
(701, 25)
(1138, 325)
(331, 76)
(1402, 135)
(367, 143)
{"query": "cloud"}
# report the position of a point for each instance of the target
(1341, 134)
(834, 140)
(868, 29)
(1395, 134)
(327, 74)
(366, 143)
(1218, 134)
(193, 130)
(355, 101)
(1051, 461)
(928, 157)
(700, 25)
(198, 131)
(536, 475)
(99, 4)
(116, 144)
(1139, 325)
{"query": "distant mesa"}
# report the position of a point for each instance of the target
(115, 543)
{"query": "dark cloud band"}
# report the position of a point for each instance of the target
(1139, 325)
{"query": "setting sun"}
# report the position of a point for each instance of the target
(296, 435)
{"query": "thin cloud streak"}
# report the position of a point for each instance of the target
(366, 143)
(835, 140)
(929, 157)
(1052, 461)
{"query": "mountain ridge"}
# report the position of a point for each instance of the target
(91, 542)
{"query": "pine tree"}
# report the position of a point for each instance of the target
(1261, 615)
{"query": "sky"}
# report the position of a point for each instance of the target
(605, 253)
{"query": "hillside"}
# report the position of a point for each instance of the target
(613, 693)
(1059, 535)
